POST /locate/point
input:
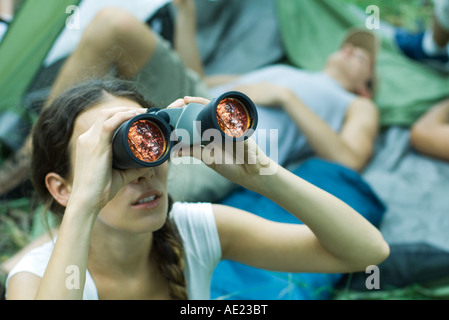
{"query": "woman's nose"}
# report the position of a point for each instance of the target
(147, 174)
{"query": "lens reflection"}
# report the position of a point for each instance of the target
(146, 141)
(232, 117)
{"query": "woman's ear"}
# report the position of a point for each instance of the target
(59, 188)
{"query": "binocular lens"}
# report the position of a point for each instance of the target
(233, 117)
(146, 141)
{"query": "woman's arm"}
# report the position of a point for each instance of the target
(71, 250)
(430, 134)
(334, 237)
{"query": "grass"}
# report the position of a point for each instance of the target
(411, 292)
(15, 227)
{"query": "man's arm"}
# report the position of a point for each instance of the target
(6, 9)
(430, 134)
(360, 130)
(185, 35)
(352, 146)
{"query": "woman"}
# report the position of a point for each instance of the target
(125, 240)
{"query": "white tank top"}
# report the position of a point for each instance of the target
(196, 225)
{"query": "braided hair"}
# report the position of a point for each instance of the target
(168, 245)
(51, 136)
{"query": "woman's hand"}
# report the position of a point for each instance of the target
(94, 177)
(241, 164)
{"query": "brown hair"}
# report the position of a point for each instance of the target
(51, 136)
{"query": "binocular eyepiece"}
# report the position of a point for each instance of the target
(147, 139)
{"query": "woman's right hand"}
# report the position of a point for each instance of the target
(94, 177)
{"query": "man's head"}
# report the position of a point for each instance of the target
(354, 63)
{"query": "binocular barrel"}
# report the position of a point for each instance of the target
(147, 139)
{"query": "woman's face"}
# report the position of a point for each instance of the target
(140, 206)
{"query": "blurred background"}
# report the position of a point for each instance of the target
(16, 222)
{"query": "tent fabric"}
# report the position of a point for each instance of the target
(26, 44)
(233, 280)
(414, 187)
(420, 261)
(22, 50)
(311, 30)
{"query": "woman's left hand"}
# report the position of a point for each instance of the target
(241, 165)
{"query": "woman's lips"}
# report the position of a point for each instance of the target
(148, 201)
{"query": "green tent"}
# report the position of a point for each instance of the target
(22, 51)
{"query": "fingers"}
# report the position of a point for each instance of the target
(110, 119)
(199, 100)
(177, 104)
(188, 151)
(186, 100)
(113, 122)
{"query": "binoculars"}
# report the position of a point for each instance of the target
(147, 139)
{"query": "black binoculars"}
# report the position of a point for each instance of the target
(147, 139)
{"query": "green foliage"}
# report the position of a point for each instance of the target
(15, 226)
